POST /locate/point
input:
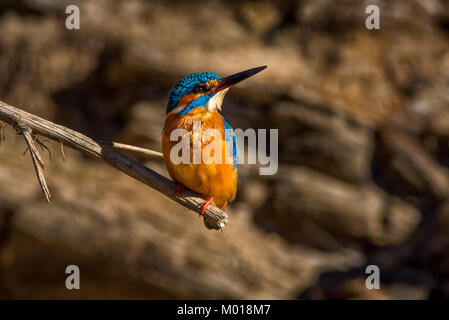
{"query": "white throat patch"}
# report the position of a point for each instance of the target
(216, 101)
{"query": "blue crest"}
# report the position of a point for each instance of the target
(186, 85)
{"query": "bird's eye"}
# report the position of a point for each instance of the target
(200, 89)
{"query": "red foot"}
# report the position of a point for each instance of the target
(206, 204)
(179, 188)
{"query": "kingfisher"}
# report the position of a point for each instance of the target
(197, 98)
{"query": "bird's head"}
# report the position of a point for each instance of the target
(203, 90)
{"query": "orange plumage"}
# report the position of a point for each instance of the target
(217, 180)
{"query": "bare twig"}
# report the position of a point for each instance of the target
(62, 150)
(214, 218)
(40, 143)
(37, 160)
(43, 146)
(2, 132)
(116, 145)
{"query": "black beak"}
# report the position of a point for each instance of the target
(235, 78)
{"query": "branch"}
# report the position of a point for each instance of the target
(214, 218)
(116, 145)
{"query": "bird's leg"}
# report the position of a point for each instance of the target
(179, 188)
(206, 204)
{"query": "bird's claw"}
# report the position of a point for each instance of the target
(179, 188)
(206, 204)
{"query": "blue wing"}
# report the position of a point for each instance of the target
(230, 138)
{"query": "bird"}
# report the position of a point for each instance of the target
(197, 98)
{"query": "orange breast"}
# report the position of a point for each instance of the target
(209, 178)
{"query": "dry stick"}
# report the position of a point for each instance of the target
(37, 160)
(214, 218)
(2, 133)
(62, 151)
(116, 145)
(43, 146)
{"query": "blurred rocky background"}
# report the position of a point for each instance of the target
(363, 119)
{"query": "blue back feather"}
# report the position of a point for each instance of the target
(230, 138)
